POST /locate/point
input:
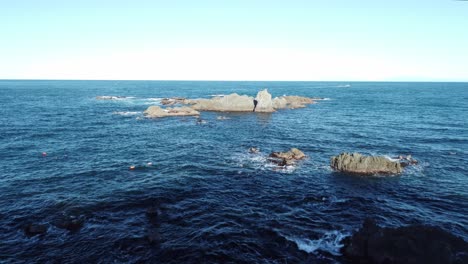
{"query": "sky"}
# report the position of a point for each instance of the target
(310, 40)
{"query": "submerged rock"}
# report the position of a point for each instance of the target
(360, 164)
(156, 111)
(287, 158)
(70, 223)
(35, 229)
(409, 244)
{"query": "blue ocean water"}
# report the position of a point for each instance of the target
(215, 201)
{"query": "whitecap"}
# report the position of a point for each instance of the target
(126, 113)
(217, 95)
(259, 161)
(330, 242)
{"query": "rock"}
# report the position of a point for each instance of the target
(35, 229)
(287, 158)
(173, 101)
(228, 103)
(291, 102)
(156, 111)
(359, 164)
(244, 103)
(254, 150)
(264, 102)
(407, 161)
(70, 223)
(409, 244)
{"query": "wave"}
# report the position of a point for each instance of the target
(260, 161)
(217, 95)
(127, 113)
(330, 242)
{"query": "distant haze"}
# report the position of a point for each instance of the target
(241, 40)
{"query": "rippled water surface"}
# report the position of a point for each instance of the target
(215, 201)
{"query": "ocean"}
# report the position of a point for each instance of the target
(197, 195)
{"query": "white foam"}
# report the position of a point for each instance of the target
(330, 242)
(217, 95)
(260, 162)
(126, 113)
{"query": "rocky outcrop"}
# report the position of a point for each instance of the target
(409, 244)
(244, 103)
(156, 111)
(173, 101)
(287, 158)
(264, 102)
(291, 102)
(228, 103)
(360, 164)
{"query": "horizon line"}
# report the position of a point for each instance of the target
(214, 80)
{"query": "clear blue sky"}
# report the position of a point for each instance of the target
(235, 40)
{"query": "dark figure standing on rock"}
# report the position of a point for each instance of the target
(255, 105)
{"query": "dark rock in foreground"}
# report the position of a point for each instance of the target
(409, 244)
(360, 164)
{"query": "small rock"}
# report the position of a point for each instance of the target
(287, 158)
(70, 223)
(254, 150)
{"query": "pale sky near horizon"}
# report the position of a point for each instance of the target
(368, 40)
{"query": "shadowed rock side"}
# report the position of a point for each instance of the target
(360, 164)
(409, 244)
(156, 111)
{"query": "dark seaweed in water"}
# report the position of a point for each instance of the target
(205, 198)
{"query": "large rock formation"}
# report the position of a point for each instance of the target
(357, 163)
(409, 244)
(264, 102)
(291, 102)
(287, 158)
(244, 103)
(228, 103)
(156, 111)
